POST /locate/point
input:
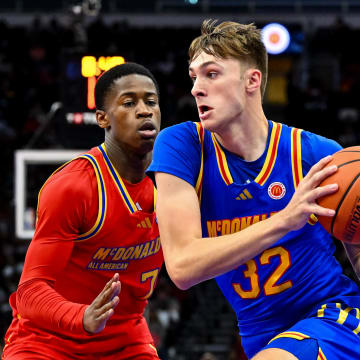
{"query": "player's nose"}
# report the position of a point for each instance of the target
(198, 89)
(143, 110)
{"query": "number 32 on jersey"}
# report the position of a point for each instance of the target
(273, 284)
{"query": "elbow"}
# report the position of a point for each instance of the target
(181, 282)
(180, 277)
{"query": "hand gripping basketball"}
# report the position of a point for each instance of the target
(345, 224)
(304, 201)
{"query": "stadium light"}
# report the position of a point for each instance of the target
(276, 38)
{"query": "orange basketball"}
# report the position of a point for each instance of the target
(345, 225)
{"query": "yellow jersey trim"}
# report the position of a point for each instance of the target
(129, 203)
(222, 162)
(271, 154)
(198, 186)
(101, 197)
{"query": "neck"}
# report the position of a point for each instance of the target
(246, 136)
(131, 166)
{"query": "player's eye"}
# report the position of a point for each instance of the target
(151, 102)
(212, 74)
(128, 103)
(193, 79)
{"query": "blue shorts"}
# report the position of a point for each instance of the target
(333, 333)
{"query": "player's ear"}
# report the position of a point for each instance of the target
(253, 79)
(102, 119)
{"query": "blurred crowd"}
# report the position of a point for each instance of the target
(322, 86)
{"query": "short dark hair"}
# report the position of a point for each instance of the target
(106, 80)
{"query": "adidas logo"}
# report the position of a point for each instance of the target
(245, 195)
(146, 224)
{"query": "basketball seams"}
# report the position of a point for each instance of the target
(344, 196)
(351, 149)
(345, 224)
(348, 162)
(348, 151)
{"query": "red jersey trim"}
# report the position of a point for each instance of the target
(271, 154)
(222, 162)
(296, 156)
(321, 355)
(198, 187)
(290, 334)
(298, 336)
(296, 163)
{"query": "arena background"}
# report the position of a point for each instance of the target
(44, 105)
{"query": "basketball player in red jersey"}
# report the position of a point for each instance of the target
(96, 254)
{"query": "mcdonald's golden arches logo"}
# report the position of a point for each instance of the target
(276, 190)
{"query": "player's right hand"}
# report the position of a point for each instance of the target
(102, 308)
(303, 202)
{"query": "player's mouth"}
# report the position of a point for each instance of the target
(204, 111)
(147, 130)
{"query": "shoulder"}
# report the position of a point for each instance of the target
(68, 202)
(177, 151)
(75, 179)
(314, 147)
(182, 131)
(315, 143)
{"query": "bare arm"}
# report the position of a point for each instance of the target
(191, 259)
(353, 253)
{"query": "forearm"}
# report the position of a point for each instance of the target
(201, 259)
(190, 259)
(39, 302)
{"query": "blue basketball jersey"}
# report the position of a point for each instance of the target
(299, 270)
(299, 273)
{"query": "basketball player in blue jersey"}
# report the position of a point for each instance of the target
(237, 201)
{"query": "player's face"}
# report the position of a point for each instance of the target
(218, 88)
(133, 113)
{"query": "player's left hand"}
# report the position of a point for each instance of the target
(102, 308)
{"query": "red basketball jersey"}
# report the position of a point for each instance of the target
(113, 230)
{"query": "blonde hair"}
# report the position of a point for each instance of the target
(232, 40)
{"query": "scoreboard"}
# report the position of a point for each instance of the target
(76, 124)
(91, 68)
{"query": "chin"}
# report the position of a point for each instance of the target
(146, 147)
(210, 125)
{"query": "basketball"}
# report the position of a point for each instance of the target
(345, 225)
